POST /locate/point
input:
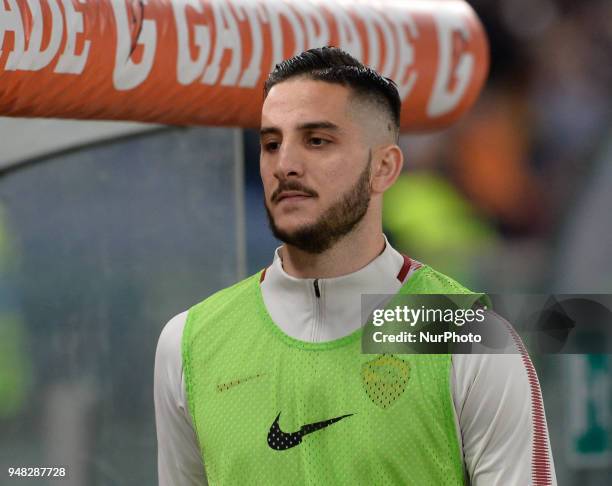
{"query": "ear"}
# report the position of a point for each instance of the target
(387, 163)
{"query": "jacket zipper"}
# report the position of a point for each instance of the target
(317, 316)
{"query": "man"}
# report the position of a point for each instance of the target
(264, 382)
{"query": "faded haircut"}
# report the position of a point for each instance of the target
(333, 65)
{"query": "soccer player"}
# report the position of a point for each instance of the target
(264, 383)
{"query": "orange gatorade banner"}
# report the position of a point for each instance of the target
(204, 62)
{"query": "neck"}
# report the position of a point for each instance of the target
(348, 255)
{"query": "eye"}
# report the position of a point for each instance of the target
(317, 141)
(271, 146)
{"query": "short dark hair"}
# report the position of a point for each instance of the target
(333, 65)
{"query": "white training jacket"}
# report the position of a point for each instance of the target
(499, 414)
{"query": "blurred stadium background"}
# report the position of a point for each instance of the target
(108, 229)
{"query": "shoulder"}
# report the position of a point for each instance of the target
(171, 334)
(168, 374)
(168, 360)
(168, 355)
(227, 296)
(426, 279)
(204, 324)
(502, 360)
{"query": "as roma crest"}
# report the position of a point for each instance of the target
(384, 379)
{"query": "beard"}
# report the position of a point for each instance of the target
(335, 223)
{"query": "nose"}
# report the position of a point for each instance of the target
(288, 163)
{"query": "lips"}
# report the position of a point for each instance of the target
(292, 196)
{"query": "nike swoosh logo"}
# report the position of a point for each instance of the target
(280, 441)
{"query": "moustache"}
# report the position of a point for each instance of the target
(291, 186)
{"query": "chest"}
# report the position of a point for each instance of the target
(326, 416)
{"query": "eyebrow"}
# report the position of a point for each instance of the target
(316, 125)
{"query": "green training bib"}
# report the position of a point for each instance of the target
(269, 409)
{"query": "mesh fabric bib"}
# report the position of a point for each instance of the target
(269, 409)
